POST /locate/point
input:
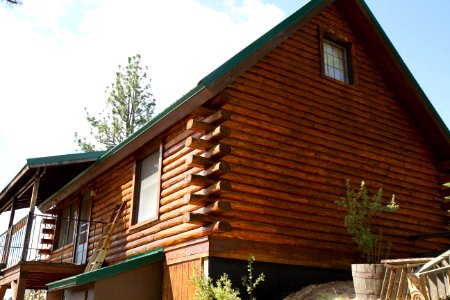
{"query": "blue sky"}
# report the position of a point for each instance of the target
(59, 56)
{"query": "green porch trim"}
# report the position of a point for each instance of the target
(127, 265)
(59, 159)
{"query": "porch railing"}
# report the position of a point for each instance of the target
(45, 237)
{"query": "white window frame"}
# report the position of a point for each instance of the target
(335, 61)
(137, 218)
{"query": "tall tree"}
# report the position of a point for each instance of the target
(129, 106)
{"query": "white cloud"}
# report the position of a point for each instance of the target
(49, 73)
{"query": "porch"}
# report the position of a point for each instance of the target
(41, 248)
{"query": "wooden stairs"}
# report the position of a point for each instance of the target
(417, 278)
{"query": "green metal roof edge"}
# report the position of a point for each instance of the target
(261, 41)
(127, 265)
(214, 75)
(154, 120)
(66, 157)
(413, 80)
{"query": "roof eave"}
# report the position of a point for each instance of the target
(208, 87)
(175, 112)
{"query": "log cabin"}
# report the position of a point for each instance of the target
(250, 162)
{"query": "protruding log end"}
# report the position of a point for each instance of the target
(218, 151)
(218, 134)
(195, 161)
(195, 199)
(218, 117)
(222, 226)
(200, 219)
(198, 180)
(217, 188)
(195, 143)
(199, 126)
(217, 170)
(202, 111)
(221, 205)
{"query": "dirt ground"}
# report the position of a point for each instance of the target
(336, 290)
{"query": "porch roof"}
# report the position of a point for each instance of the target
(127, 265)
(55, 171)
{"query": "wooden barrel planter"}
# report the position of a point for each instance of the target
(368, 280)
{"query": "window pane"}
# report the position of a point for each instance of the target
(148, 197)
(335, 61)
(65, 236)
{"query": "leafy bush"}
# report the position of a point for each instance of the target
(205, 289)
(361, 208)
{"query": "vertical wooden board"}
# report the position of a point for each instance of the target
(401, 292)
(384, 287)
(441, 285)
(185, 279)
(433, 286)
(177, 277)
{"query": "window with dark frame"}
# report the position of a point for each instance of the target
(146, 202)
(66, 225)
(335, 61)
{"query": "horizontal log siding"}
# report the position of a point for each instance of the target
(297, 136)
(117, 185)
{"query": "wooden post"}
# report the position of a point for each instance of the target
(8, 235)
(18, 288)
(26, 240)
(3, 289)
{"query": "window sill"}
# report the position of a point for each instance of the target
(139, 225)
(353, 85)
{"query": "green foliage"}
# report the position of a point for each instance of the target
(129, 106)
(35, 294)
(223, 290)
(248, 282)
(361, 208)
(206, 290)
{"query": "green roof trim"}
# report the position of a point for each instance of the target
(264, 39)
(406, 69)
(154, 120)
(57, 159)
(127, 265)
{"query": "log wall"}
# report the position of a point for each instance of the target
(191, 163)
(263, 162)
(297, 136)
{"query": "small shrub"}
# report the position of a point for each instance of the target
(361, 208)
(247, 281)
(205, 289)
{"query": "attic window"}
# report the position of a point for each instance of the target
(335, 61)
